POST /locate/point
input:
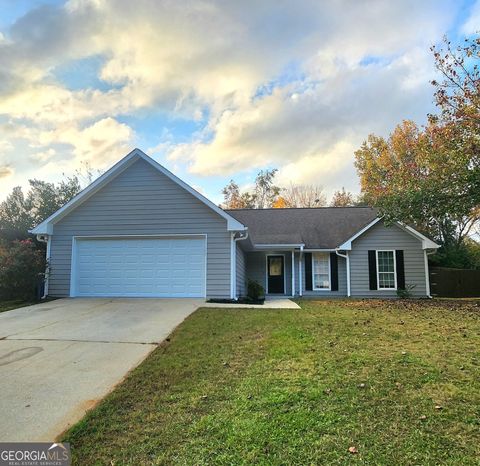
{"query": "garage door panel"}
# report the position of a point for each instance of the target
(156, 267)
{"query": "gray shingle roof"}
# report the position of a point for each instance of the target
(317, 228)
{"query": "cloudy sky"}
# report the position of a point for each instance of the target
(213, 89)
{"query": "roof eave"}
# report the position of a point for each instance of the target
(278, 245)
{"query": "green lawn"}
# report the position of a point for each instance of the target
(13, 304)
(398, 381)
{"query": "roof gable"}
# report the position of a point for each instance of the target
(427, 243)
(46, 227)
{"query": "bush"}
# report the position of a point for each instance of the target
(406, 293)
(21, 269)
(255, 291)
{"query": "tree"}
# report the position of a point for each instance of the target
(15, 217)
(458, 94)
(266, 191)
(431, 176)
(20, 213)
(342, 198)
(304, 195)
(234, 199)
(421, 176)
(280, 203)
(22, 267)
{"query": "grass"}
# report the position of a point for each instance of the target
(299, 387)
(13, 304)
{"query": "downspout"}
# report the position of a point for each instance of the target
(293, 273)
(46, 239)
(300, 272)
(427, 272)
(234, 262)
(347, 258)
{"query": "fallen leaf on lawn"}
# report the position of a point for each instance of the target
(438, 407)
(423, 417)
(353, 450)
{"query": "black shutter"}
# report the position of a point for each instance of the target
(334, 271)
(308, 271)
(372, 269)
(400, 269)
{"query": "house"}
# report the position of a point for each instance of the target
(139, 231)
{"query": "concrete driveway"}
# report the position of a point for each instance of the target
(57, 359)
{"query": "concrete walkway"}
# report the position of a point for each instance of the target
(270, 303)
(59, 358)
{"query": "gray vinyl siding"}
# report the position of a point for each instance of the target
(257, 268)
(142, 201)
(342, 280)
(241, 272)
(381, 237)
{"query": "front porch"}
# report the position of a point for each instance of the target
(292, 271)
(277, 269)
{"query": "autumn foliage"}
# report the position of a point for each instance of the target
(430, 176)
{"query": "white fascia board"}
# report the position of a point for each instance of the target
(347, 245)
(426, 242)
(277, 246)
(46, 227)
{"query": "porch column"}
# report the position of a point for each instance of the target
(293, 273)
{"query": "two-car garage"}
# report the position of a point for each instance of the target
(164, 266)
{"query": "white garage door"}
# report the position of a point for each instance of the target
(148, 267)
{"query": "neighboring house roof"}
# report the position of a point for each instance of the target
(46, 227)
(315, 228)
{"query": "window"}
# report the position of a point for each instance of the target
(275, 266)
(387, 279)
(321, 271)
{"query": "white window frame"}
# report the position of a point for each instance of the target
(314, 288)
(394, 270)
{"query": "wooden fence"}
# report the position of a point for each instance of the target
(454, 283)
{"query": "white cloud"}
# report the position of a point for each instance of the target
(208, 59)
(5, 171)
(311, 130)
(472, 25)
(101, 142)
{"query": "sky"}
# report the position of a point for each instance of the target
(214, 90)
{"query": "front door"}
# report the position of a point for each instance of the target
(275, 274)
